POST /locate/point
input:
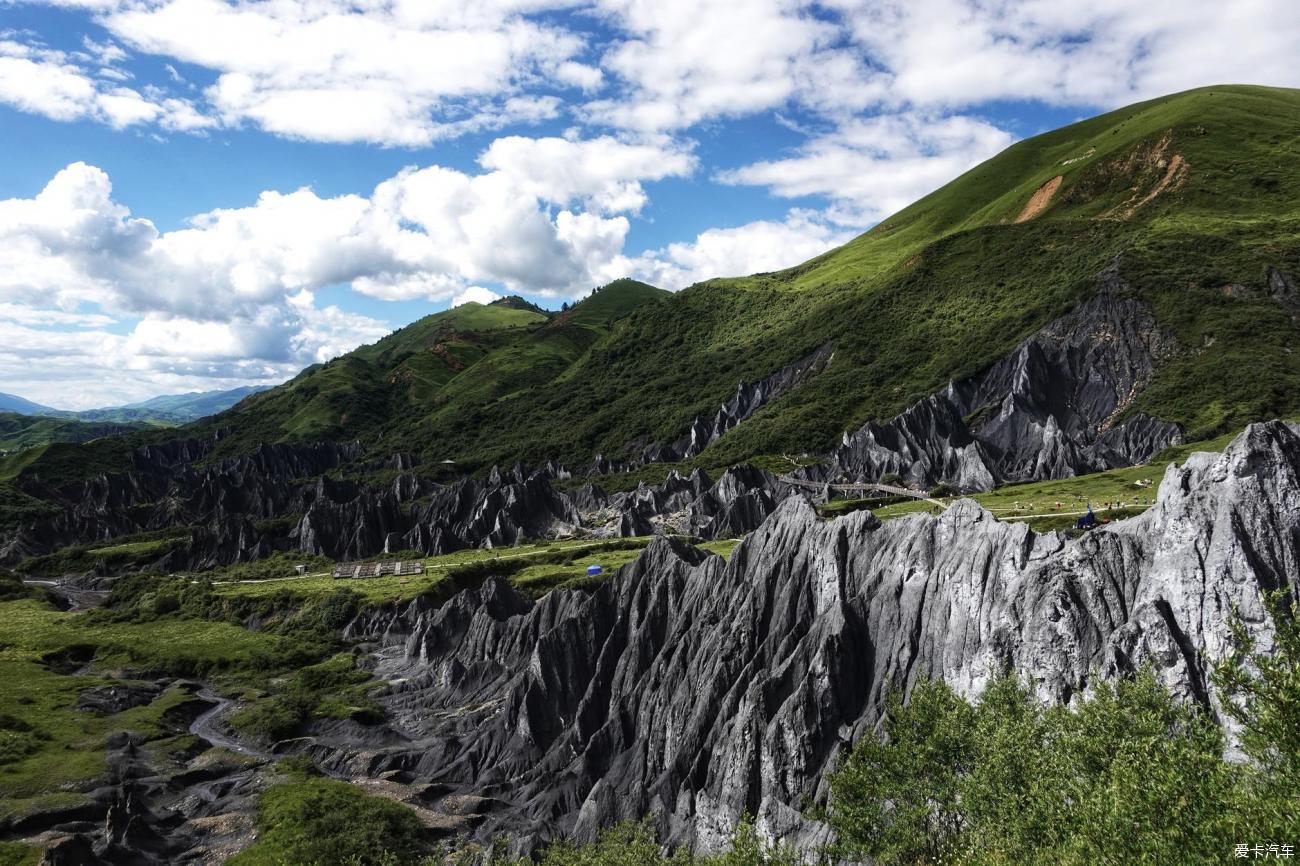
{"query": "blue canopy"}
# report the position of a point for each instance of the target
(1086, 520)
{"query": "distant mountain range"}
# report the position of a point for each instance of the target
(22, 406)
(25, 424)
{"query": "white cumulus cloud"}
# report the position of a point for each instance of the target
(875, 166)
(756, 247)
(401, 74)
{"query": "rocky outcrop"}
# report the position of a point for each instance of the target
(741, 500)
(685, 505)
(748, 399)
(499, 512)
(696, 689)
(164, 489)
(349, 523)
(223, 541)
(1048, 410)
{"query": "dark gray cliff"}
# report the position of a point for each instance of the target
(697, 689)
(1048, 410)
(503, 511)
(686, 505)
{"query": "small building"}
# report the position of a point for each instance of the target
(378, 569)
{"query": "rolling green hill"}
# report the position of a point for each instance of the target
(167, 410)
(1192, 200)
(440, 369)
(173, 409)
(1192, 197)
(19, 432)
(22, 406)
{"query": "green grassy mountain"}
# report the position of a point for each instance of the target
(441, 370)
(1193, 200)
(18, 432)
(167, 410)
(173, 408)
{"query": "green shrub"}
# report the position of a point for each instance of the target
(1264, 698)
(335, 688)
(19, 854)
(277, 718)
(1129, 775)
(899, 800)
(320, 822)
(635, 844)
(18, 739)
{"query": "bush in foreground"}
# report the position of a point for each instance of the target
(1127, 775)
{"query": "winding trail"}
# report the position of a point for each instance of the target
(205, 726)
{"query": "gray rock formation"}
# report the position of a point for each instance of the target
(685, 505)
(696, 689)
(500, 512)
(164, 490)
(1048, 410)
(748, 399)
(349, 523)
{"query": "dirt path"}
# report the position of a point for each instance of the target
(205, 726)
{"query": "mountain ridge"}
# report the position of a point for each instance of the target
(783, 369)
(1185, 197)
(165, 409)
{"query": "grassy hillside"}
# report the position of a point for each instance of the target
(438, 369)
(19, 432)
(22, 406)
(173, 409)
(1193, 198)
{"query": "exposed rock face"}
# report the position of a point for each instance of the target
(1048, 410)
(224, 541)
(500, 512)
(748, 399)
(342, 520)
(350, 523)
(688, 505)
(164, 490)
(697, 689)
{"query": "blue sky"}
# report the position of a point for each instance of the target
(197, 194)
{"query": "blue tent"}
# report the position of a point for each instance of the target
(593, 570)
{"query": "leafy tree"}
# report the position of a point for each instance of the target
(1137, 776)
(899, 800)
(1263, 697)
(749, 849)
(1128, 775)
(628, 844)
(1265, 689)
